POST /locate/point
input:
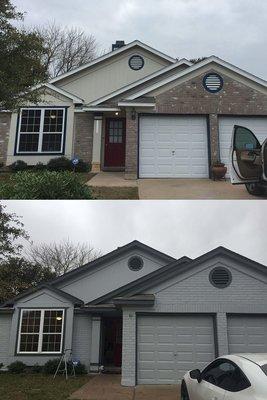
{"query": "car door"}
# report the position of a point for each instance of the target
(245, 157)
(208, 388)
(264, 158)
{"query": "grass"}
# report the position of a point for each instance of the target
(115, 193)
(38, 386)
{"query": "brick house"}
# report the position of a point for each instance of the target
(143, 313)
(138, 110)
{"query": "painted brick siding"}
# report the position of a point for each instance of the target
(5, 326)
(128, 348)
(5, 119)
(83, 136)
(191, 98)
(192, 292)
(81, 339)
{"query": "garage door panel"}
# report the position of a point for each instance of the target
(258, 125)
(180, 343)
(184, 140)
(247, 334)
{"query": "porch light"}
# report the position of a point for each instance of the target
(133, 114)
(116, 113)
(59, 318)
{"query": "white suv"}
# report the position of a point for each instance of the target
(248, 161)
(233, 377)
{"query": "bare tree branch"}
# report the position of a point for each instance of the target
(66, 48)
(63, 256)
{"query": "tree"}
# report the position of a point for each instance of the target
(18, 274)
(63, 256)
(21, 64)
(65, 48)
(197, 60)
(12, 232)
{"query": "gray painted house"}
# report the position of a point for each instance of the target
(142, 311)
(140, 111)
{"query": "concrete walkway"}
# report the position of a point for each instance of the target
(108, 387)
(174, 189)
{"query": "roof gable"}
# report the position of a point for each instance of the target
(112, 54)
(213, 60)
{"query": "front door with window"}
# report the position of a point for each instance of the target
(115, 143)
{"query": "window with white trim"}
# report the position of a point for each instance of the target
(41, 331)
(41, 130)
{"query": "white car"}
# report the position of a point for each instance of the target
(248, 161)
(234, 377)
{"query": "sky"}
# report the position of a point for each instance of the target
(234, 30)
(177, 228)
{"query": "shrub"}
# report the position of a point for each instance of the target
(17, 367)
(1, 365)
(51, 366)
(39, 167)
(60, 164)
(37, 369)
(80, 369)
(44, 185)
(82, 166)
(18, 165)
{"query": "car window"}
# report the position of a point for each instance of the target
(226, 375)
(245, 139)
(264, 368)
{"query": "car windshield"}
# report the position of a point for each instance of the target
(264, 368)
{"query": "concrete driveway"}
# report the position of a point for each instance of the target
(174, 189)
(108, 387)
(191, 189)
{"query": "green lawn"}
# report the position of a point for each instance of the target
(115, 193)
(38, 386)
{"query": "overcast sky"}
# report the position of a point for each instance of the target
(175, 227)
(234, 30)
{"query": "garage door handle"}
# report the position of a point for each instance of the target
(173, 152)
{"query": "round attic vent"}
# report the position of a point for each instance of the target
(136, 62)
(135, 263)
(213, 83)
(220, 277)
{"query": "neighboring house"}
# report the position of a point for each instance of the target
(143, 311)
(140, 111)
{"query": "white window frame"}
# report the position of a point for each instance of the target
(41, 132)
(40, 334)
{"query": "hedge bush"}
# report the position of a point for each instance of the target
(17, 367)
(18, 165)
(37, 369)
(46, 185)
(82, 166)
(60, 164)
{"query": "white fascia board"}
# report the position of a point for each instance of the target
(111, 54)
(195, 67)
(96, 109)
(141, 81)
(136, 104)
(60, 91)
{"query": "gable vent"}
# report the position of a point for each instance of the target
(220, 277)
(213, 83)
(136, 63)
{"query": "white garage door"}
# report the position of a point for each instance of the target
(257, 125)
(168, 346)
(173, 147)
(247, 334)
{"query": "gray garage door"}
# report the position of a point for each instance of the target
(247, 334)
(168, 346)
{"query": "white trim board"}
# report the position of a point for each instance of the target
(195, 67)
(63, 92)
(114, 53)
(140, 81)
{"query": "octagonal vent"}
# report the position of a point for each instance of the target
(220, 277)
(213, 83)
(136, 62)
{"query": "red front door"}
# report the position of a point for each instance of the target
(115, 143)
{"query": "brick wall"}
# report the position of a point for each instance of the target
(128, 348)
(5, 119)
(83, 136)
(191, 98)
(131, 157)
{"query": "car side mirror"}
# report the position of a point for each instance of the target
(195, 374)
